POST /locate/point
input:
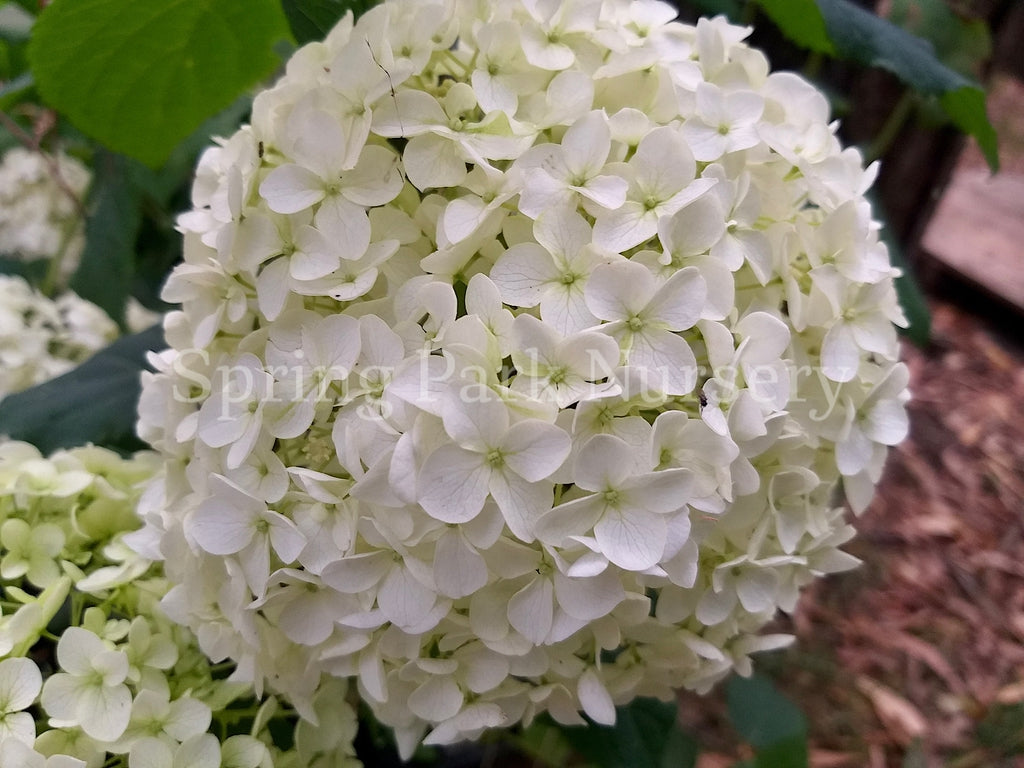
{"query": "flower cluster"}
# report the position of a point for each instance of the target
(40, 206)
(42, 338)
(124, 686)
(526, 351)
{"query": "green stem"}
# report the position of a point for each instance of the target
(891, 128)
(52, 279)
(812, 67)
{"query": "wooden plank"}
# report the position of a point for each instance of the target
(978, 231)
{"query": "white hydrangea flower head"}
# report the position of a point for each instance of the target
(41, 198)
(42, 338)
(525, 354)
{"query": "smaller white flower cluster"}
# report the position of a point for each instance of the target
(39, 215)
(42, 338)
(132, 689)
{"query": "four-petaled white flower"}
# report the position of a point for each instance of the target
(232, 522)
(20, 683)
(490, 455)
(31, 551)
(625, 508)
(90, 692)
(645, 319)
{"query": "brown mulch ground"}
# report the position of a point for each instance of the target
(919, 654)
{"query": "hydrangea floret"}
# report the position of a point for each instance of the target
(41, 204)
(42, 338)
(526, 354)
(92, 673)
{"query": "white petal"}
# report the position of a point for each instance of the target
(521, 274)
(607, 191)
(585, 146)
(18, 725)
(291, 188)
(410, 113)
(633, 539)
(77, 648)
(375, 179)
(403, 599)
(437, 699)
(199, 751)
(757, 589)
(20, 683)
(104, 712)
(595, 699)
(854, 453)
(316, 140)
(680, 301)
(307, 621)
(620, 290)
(667, 358)
(694, 228)
(221, 529)
(663, 163)
(624, 228)
(661, 492)
(887, 423)
(371, 674)
(531, 610)
(705, 140)
(534, 449)
(521, 502)
(573, 518)
(345, 226)
(604, 463)
(590, 597)
(432, 161)
(286, 539)
(458, 568)
(462, 217)
(562, 232)
(840, 355)
(188, 717)
(715, 607)
(150, 752)
(476, 424)
(357, 573)
(453, 484)
(272, 288)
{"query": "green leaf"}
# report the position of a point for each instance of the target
(961, 43)
(141, 76)
(761, 715)
(177, 172)
(645, 735)
(94, 403)
(313, 19)
(32, 271)
(864, 37)
(966, 108)
(104, 276)
(788, 753)
(801, 22)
